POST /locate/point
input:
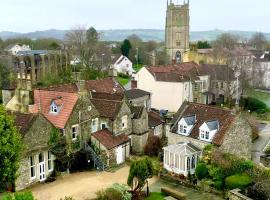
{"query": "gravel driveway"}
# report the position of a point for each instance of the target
(81, 186)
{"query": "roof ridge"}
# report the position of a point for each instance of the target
(116, 101)
(210, 106)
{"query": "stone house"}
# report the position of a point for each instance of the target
(37, 162)
(201, 125)
(156, 124)
(137, 97)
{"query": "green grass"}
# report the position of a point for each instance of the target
(156, 196)
(137, 67)
(123, 81)
(238, 181)
(262, 96)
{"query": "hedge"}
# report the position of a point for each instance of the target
(238, 181)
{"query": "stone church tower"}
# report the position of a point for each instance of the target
(177, 30)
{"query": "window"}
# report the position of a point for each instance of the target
(221, 85)
(75, 132)
(181, 129)
(196, 87)
(50, 167)
(167, 158)
(94, 125)
(54, 108)
(195, 100)
(185, 129)
(188, 163)
(207, 135)
(156, 130)
(216, 85)
(176, 161)
(178, 43)
(124, 122)
(202, 134)
(193, 162)
(103, 126)
(32, 167)
(62, 132)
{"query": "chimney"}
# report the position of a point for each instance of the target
(81, 85)
(133, 84)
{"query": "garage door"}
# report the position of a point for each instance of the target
(119, 155)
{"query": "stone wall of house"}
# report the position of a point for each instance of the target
(141, 102)
(140, 126)
(7, 96)
(139, 142)
(117, 124)
(265, 160)
(174, 138)
(36, 141)
(238, 140)
(236, 195)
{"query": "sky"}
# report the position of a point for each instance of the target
(31, 15)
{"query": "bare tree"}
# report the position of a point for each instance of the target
(258, 41)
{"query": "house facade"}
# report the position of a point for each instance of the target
(15, 48)
(202, 125)
(123, 65)
(137, 97)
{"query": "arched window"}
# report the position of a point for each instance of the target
(193, 162)
(188, 163)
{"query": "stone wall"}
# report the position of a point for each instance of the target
(236, 195)
(139, 142)
(141, 102)
(238, 140)
(117, 124)
(140, 126)
(7, 96)
(265, 160)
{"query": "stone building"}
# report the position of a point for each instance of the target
(37, 162)
(202, 125)
(156, 124)
(177, 31)
(137, 97)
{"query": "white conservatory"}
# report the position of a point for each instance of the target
(181, 158)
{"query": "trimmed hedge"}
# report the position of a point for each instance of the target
(238, 181)
(174, 193)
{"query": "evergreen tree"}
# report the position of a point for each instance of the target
(126, 47)
(10, 149)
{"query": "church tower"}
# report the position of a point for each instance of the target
(177, 30)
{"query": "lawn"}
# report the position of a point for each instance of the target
(262, 96)
(137, 67)
(156, 196)
(123, 81)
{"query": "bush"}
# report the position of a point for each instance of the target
(254, 105)
(238, 181)
(153, 146)
(201, 171)
(173, 193)
(19, 196)
(122, 75)
(219, 184)
(115, 192)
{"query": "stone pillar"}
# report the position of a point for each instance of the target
(33, 70)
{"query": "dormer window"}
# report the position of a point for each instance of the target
(186, 124)
(54, 109)
(56, 105)
(208, 130)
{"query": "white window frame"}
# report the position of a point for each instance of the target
(124, 122)
(103, 123)
(207, 135)
(32, 166)
(50, 162)
(94, 125)
(54, 109)
(156, 130)
(76, 132)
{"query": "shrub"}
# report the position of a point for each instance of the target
(238, 181)
(216, 173)
(253, 105)
(19, 196)
(115, 192)
(219, 184)
(173, 193)
(201, 171)
(153, 146)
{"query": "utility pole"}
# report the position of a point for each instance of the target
(137, 56)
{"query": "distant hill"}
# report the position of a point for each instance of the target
(119, 35)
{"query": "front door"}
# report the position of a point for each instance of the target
(119, 155)
(42, 175)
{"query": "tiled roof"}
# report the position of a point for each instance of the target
(217, 72)
(154, 119)
(137, 111)
(136, 93)
(23, 121)
(107, 96)
(107, 85)
(70, 87)
(175, 72)
(106, 138)
(205, 113)
(107, 108)
(43, 100)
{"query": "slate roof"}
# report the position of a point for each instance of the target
(136, 93)
(206, 113)
(182, 148)
(154, 119)
(217, 72)
(175, 72)
(213, 125)
(137, 111)
(106, 138)
(32, 52)
(43, 100)
(23, 121)
(190, 120)
(107, 108)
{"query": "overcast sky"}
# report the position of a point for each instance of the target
(32, 15)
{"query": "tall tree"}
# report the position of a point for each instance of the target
(258, 41)
(10, 149)
(126, 47)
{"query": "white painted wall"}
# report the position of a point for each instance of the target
(165, 95)
(125, 66)
(205, 128)
(183, 123)
(16, 48)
